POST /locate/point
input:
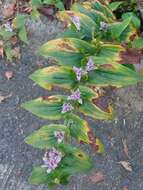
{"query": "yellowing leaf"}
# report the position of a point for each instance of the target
(44, 138)
(54, 76)
(67, 51)
(49, 108)
(79, 128)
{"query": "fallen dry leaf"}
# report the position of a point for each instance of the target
(16, 52)
(47, 10)
(8, 75)
(126, 165)
(97, 177)
(14, 40)
(8, 10)
(124, 141)
(125, 188)
(131, 56)
(4, 97)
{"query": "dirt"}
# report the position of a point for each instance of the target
(17, 158)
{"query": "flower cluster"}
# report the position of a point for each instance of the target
(67, 107)
(76, 22)
(76, 96)
(103, 26)
(8, 27)
(90, 65)
(81, 72)
(51, 159)
(59, 135)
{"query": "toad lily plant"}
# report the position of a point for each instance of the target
(88, 55)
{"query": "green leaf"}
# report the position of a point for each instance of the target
(74, 161)
(35, 13)
(48, 2)
(23, 34)
(44, 138)
(54, 76)
(104, 60)
(36, 3)
(6, 35)
(8, 53)
(138, 43)
(60, 6)
(115, 5)
(78, 128)
(118, 28)
(104, 9)
(87, 93)
(108, 54)
(95, 15)
(39, 176)
(134, 19)
(19, 21)
(114, 75)
(91, 110)
(67, 51)
(111, 50)
(87, 25)
(49, 108)
(70, 33)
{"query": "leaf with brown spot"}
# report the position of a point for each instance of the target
(97, 177)
(8, 75)
(126, 165)
(67, 51)
(85, 21)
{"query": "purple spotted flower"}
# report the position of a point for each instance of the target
(90, 65)
(59, 135)
(67, 107)
(103, 26)
(76, 22)
(51, 159)
(79, 72)
(8, 27)
(76, 96)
